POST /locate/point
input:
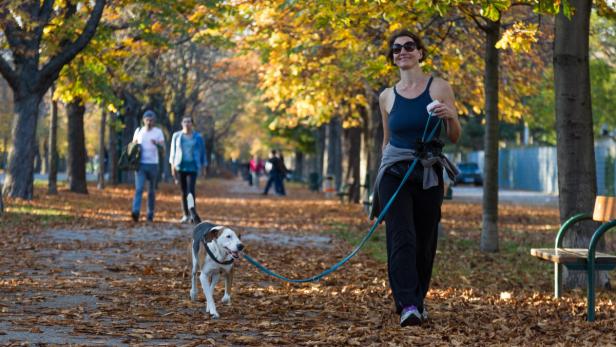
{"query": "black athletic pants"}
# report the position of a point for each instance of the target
(412, 229)
(187, 182)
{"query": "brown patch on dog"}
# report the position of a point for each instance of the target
(213, 233)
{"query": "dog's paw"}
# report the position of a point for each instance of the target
(193, 295)
(226, 299)
(214, 315)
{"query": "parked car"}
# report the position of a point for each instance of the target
(469, 173)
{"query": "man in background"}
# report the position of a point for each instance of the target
(151, 141)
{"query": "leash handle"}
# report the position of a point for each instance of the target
(363, 241)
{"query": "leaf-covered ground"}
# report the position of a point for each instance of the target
(75, 270)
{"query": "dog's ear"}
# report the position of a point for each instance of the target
(213, 233)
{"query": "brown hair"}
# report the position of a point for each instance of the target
(407, 33)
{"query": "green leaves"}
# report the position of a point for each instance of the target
(492, 9)
(150, 28)
(553, 7)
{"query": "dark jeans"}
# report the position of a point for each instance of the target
(412, 229)
(145, 172)
(187, 183)
(276, 179)
(280, 185)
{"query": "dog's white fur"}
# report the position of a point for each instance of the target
(225, 246)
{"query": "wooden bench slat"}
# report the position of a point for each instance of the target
(571, 255)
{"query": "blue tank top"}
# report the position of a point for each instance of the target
(408, 117)
(188, 146)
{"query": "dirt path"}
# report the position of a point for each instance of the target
(119, 283)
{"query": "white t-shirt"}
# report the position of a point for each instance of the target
(144, 137)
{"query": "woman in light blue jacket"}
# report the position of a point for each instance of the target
(187, 159)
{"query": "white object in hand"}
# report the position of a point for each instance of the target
(432, 105)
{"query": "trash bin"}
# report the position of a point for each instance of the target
(329, 188)
(313, 182)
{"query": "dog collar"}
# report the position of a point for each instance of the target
(207, 249)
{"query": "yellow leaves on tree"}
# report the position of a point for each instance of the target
(520, 37)
(318, 57)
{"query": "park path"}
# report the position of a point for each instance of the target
(104, 280)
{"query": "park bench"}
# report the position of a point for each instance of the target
(343, 192)
(584, 259)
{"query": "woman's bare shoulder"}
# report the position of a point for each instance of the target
(386, 93)
(386, 97)
(440, 88)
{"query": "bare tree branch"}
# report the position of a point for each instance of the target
(480, 25)
(9, 74)
(474, 17)
(44, 14)
(226, 127)
(12, 31)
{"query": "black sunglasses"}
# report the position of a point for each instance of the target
(408, 46)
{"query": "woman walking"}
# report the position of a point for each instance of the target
(413, 218)
(187, 159)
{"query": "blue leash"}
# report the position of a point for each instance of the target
(365, 238)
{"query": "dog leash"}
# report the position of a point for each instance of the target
(359, 246)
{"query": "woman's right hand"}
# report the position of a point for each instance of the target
(174, 175)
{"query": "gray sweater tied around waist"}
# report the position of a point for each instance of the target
(392, 155)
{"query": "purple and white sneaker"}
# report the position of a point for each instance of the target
(410, 316)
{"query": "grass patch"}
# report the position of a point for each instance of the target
(27, 209)
(460, 263)
(374, 247)
(23, 215)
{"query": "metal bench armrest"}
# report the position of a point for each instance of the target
(596, 236)
(561, 233)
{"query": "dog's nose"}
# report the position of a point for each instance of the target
(240, 247)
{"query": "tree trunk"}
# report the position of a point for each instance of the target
(489, 233)
(334, 150)
(131, 117)
(77, 156)
(209, 153)
(577, 183)
(298, 170)
(113, 152)
(101, 151)
(29, 82)
(45, 157)
(373, 137)
(37, 157)
(1, 203)
(5, 143)
(353, 176)
(179, 103)
(320, 151)
(19, 181)
(52, 183)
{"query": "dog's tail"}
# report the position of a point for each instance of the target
(190, 200)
